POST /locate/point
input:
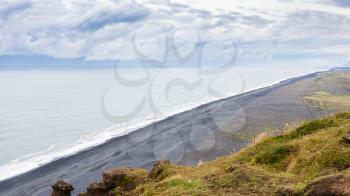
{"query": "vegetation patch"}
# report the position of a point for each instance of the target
(310, 127)
(325, 100)
(285, 164)
(124, 181)
(274, 155)
(339, 160)
(182, 183)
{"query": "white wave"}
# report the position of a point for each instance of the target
(56, 151)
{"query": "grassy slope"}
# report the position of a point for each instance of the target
(331, 91)
(279, 164)
(323, 100)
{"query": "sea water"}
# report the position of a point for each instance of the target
(46, 114)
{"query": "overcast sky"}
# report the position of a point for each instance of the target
(300, 32)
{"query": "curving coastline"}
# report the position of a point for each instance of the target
(57, 150)
(134, 150)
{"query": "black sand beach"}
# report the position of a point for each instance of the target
(201, 134)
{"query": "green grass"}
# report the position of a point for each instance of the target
(274, 155)
(182, 184)
(310, 150)
(310, 127)
(335, 159)
(124, 181)
(276, 165)
(325, 100)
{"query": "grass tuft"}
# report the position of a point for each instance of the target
(310, 128)
(182, 184)
(274, 155)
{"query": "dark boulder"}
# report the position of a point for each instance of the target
(97, 189)
(61, 188)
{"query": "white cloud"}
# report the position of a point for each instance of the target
(104, 29)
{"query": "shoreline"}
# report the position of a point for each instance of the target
(68, 158)
(22, 166)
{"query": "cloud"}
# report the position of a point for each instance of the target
(113, 29)
(343, 3)
(9, 8)
(113, 13)
(253, 20)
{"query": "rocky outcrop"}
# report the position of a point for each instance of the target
(117, 182)
(61, 188)
(126, 178)
(97, 189)
(159, 169)
(334, 185)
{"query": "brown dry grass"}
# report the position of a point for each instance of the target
(284, 163)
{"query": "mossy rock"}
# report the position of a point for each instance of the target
(126, 178)
(160, 170)
(61, 188)
(97, 189)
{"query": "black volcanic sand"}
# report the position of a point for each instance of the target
(203, 133)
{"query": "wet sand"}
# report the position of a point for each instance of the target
(201, 134)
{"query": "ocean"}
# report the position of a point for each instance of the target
(46, 114)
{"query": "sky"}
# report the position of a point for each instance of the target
(250, 32)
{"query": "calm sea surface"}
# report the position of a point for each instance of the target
(46, 114)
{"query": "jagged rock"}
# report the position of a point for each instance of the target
(334, 185)
(126, 178)
(61, 188)
(159, 168)
(97, 189)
